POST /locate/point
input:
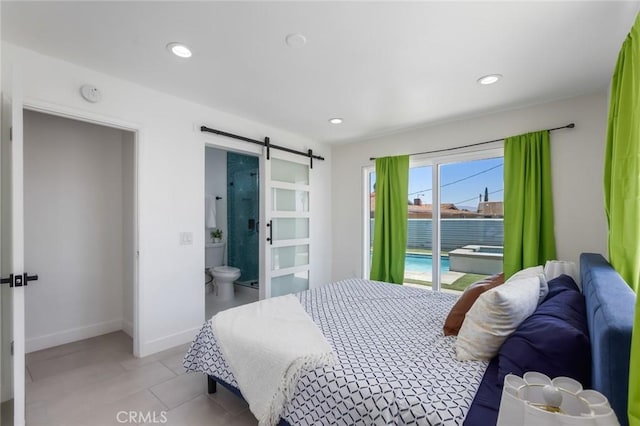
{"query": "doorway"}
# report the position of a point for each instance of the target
(232, 207)
(80, 230)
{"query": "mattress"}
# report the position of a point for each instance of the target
(394, 366)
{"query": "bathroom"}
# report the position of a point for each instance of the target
(232, 208)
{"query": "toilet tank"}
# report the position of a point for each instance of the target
(214, 255)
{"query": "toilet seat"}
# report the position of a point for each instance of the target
(225, 269)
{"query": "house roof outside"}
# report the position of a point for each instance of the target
(417, 210)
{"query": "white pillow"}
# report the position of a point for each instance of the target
(533, 272)
(555, 268)
(494, 316)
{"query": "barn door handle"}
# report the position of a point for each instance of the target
(18, 280)
(270, 237)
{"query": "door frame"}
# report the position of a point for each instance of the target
(224, 144)
(435, 161)
(138, 132)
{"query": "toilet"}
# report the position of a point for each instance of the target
(223, 276)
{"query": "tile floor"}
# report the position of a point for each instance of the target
(97, 382)
(243, 294)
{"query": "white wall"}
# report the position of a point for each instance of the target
(170, 183)
(577, 167)
(128, 229)
(215, 184)
(73, 204)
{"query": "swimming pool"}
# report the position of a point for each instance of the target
(423, 263)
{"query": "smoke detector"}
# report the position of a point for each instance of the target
(91, 93)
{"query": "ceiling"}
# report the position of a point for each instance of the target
(381, 66)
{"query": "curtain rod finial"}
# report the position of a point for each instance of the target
(571, 125)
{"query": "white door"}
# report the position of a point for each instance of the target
(287, 194)
(13, 273)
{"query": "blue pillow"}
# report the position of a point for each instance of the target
(554, 340)
(559, 284)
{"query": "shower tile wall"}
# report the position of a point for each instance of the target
(243, 214)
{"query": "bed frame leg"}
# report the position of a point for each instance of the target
(211, 385)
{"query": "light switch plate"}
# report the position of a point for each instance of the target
(186, 238)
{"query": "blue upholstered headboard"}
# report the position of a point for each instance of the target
(610, 307)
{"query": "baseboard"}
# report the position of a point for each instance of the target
(157, 345)
(127, 327)
(71, 335)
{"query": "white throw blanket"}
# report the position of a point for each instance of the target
(267, 345)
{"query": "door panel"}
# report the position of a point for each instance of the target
(288, 171)
(286, 228)
(12, 255)
(290, 200)
(289, 257)
(6, 292)
(290, 283)
(287, 243)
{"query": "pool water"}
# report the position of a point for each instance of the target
(423, 263)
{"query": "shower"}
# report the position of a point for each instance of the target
(243, 213)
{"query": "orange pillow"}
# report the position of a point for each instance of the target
(455, 318)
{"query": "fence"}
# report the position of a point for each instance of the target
(455, 233)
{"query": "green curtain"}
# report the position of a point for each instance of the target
(528, 204)
(622, 189)
(390, 219)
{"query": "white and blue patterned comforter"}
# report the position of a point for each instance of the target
(395, 366)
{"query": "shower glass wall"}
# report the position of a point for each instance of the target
(243, 209)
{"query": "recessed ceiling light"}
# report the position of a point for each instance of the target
(489, 79)
(296, 40)
(179, 49)
(335, 120)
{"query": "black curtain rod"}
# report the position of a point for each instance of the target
(568, 126)
(264, 143)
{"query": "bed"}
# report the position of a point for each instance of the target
(395, 366)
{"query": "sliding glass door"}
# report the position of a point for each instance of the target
(471, 221)
(460, 241)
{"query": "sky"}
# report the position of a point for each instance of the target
(461, 182)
